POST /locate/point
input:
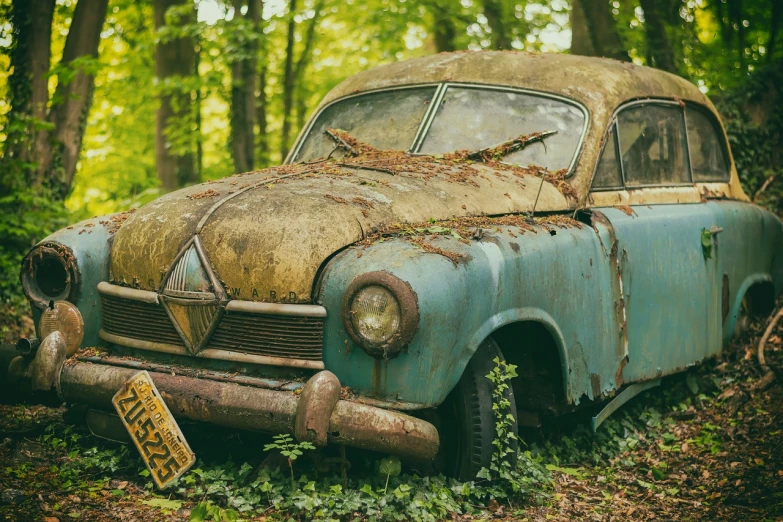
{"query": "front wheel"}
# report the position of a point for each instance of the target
(467, 422)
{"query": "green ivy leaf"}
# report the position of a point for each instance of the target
(199, 513)
(706, 243)
(390, 467)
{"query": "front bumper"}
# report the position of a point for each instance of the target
(317, 414)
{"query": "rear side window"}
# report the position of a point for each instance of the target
(607, 174)
(653, 146)
(709, 160)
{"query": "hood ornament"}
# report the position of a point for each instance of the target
(192, 296)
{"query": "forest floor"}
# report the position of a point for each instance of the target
(706, 445)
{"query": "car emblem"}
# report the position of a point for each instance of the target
(191, 296)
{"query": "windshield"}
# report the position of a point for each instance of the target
(387, 120)
(466, 118)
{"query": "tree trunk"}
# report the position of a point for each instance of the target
(493, 10)
(301, 67)
(72, 99)
(288, 82)
(444, 29)
(581, 42)
(774, 26)
(243, 89)
(261, 110)
(600, 25)
(174, 59)
(734, 11)
(659, 51)
(28, 87)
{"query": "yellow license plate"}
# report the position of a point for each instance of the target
(153, 429)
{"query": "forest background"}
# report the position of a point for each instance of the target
(107, 104)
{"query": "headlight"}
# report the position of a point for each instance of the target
(49, 273)
(380, 313)
(375, 314)
(65, 318)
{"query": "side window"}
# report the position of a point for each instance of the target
(709, 161)
(607, 173)
(652, 145)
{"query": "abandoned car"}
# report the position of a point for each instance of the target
(580, 218)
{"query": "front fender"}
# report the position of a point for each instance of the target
(89, 242)
(500, 279)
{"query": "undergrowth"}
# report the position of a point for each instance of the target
(385, 490)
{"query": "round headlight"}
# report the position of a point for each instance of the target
(65, 318)
(49, 274)
(380, 313)
(375, 314)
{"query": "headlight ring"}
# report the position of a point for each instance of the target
(380, 313)
(49, 273)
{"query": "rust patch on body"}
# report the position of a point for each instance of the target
(618, 294)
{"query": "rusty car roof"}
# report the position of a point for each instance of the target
(597, 83)
(600, 84)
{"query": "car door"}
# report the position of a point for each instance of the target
(751, 238)
(663, 240)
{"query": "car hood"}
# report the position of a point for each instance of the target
(267, 233)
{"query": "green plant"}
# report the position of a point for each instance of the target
(501, 467)
(292, 451)
(390, 467)
(206, 510)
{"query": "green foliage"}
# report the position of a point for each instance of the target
(209, 511)
(289, 449)
(509, 479)
(26, 217)
(753, 117)
(706, 243)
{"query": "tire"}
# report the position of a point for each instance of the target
(467, 422)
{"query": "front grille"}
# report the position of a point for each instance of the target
(138, 320)
(272, 335)
(259, 334)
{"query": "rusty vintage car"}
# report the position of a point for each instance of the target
(581, 218)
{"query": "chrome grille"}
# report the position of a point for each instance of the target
(284, 336)
(271, 335)
(138, 320)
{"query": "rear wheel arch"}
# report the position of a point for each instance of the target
(758, 293)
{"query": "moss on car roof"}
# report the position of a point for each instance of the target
(599, 83)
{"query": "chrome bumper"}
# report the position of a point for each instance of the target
(317, 415)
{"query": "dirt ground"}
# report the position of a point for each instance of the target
(706, 445)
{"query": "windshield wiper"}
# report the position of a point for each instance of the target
(345, 141)
(498, 152)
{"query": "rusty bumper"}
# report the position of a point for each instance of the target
(316, 415)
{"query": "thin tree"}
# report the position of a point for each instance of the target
(594, 31)
(51, 139)
(303, 61)
(288, 81)
(174, 61)
(493, 10)
(243, 84)
(660, 53)
(28, 94)
(72, 98)
(444, 29)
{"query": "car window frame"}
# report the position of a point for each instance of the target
(719, 131)
(429, 115)
(515, 90)
(306, 131)
(613, 125)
